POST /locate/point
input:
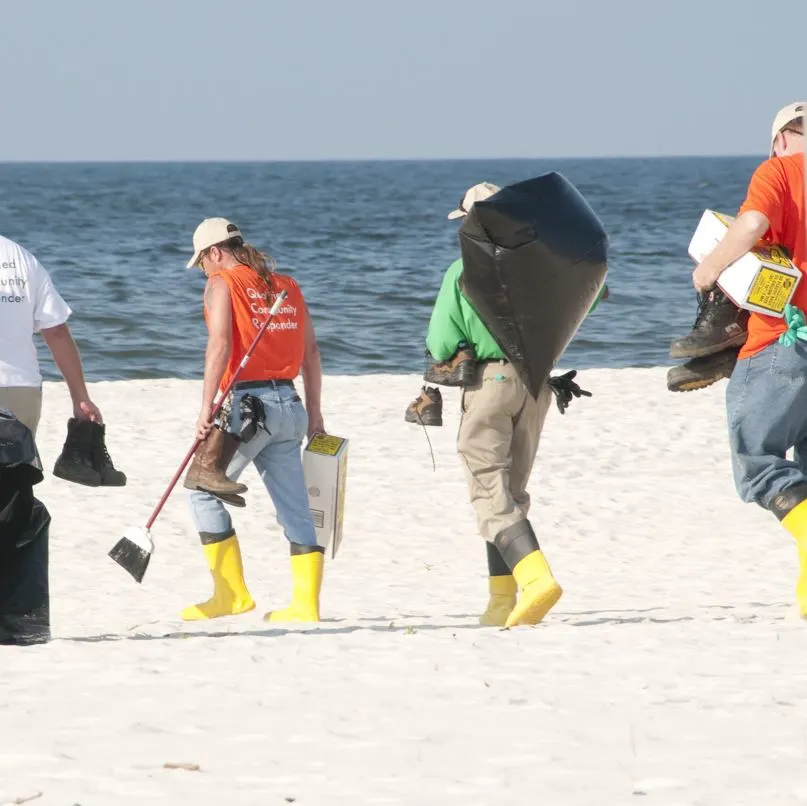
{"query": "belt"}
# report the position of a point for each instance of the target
(274, 382)
(493, 361)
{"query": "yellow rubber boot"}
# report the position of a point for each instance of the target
(501, 602)
(539, 592)
(306, 575)
(230, 594)
(796, 523)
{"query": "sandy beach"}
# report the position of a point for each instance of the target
(669, 672)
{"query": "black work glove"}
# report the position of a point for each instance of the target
(564, 389)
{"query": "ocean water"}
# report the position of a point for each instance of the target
(367, 241)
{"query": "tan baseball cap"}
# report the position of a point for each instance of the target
(475, 194)
(785, 116)
(210, 232)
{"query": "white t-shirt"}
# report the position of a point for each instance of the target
(29, 302)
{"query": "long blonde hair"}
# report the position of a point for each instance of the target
(248, 255)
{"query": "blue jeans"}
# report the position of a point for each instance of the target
(766, 403)
(277, 458)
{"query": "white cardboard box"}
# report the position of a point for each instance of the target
(763, 280)
(325, 468)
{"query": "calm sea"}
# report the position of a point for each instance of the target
(367, 241)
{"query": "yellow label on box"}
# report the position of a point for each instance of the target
(773, 254)
(771, 290)
(325, 444)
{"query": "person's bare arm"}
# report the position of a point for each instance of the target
(312, 379)
(66, 355)
(741, 236)
(219, 345)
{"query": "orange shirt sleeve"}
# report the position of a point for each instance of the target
(767, 194)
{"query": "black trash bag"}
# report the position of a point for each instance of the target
(534, 260)
(24, 531)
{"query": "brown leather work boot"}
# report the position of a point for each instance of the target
(426, 408)
(208, 469)
(719, 325)
(459, 370)
(232, 500)
(698, 373)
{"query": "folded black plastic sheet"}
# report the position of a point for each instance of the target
(534, 260)
(24, 532)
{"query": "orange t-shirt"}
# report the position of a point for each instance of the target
(279, 353)
(777, 191)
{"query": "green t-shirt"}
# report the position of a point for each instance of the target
(454, 321)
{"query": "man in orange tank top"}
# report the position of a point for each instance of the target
(766, 398)
(264, 422)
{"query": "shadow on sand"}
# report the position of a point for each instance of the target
(738, 614)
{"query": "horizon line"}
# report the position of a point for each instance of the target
(317, 160)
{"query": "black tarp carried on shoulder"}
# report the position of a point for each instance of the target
(534, 260)
(24, 527)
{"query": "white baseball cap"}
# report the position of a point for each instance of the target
(477, 193)
(784, 117)
(210, 232)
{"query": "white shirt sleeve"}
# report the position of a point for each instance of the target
(50, 310)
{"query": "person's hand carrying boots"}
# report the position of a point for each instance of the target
(564, 389)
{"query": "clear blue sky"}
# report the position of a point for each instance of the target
(316, 79)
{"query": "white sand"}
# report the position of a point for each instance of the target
(669, 673)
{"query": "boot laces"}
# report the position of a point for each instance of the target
(706, 308)
(426, 432)
(417, 407)
(105, 457)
